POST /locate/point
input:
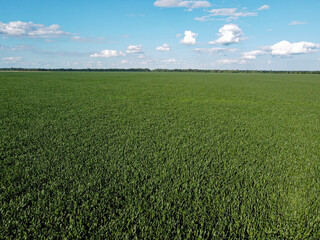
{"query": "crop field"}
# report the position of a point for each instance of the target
(159, 155)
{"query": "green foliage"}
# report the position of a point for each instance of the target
(159, 156)
(148, 70)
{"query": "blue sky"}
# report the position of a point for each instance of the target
(217, 34)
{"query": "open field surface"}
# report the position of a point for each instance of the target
(159, 155)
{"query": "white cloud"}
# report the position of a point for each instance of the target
(203, 18)
(124, 61)
(229, 33)
(171, 60)
(179, 35)
(285, 48)
(227, 61)
(77, 38)
(190, 4)
(253, 54)
(189, 38)
(99, 64)
(233, 12)
(264, 7)
(296, 23)
(147, 61)
(164, 48)
(30, 29)
(135, 49)
(197, 4)
(88, 40)
(282, 49)
(230, 13)
(214, 50)
(231, 61)
(107, 53)
(12, 59)
(141, 56)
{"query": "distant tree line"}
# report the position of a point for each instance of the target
(155, 70)
(234, 71)
(77, 70)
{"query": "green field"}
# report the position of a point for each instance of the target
(159, 155)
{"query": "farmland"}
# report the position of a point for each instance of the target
(159, 155)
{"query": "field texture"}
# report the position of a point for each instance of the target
(159, 155)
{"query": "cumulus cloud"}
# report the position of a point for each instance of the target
(264, 7)
(285, 48)
(77, 38)
(253, 54)
(89, 40)
(229, 33)
(190, 4)
(233, 12)
(171, 60)
(12, 59)
(214, 50)
(203, 19)
(30, 29)
(229, 13)
(282, 49)
(189, 38)
(147, 61)
(231, 61)
(135, 49)
(164, 48)
(107, 54)
(197, 4)
(296, 23)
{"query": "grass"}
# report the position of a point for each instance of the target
(159, 156)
